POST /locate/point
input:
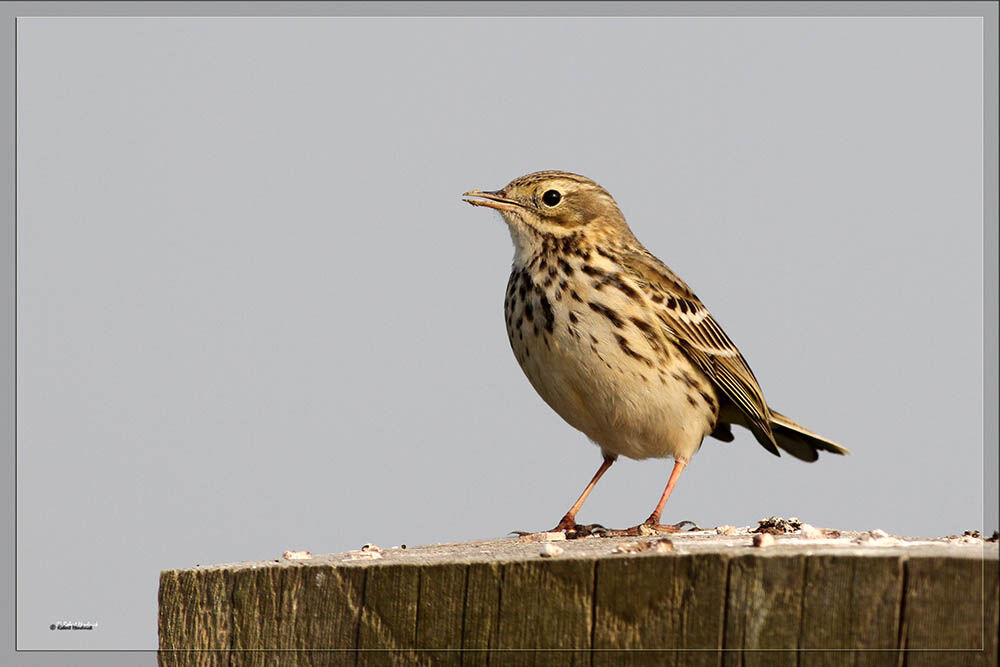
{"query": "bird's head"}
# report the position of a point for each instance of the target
(552, 203)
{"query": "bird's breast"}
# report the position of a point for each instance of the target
(591, 346)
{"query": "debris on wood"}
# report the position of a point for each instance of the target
(662, 545)
(367, 552)
(995, 537)
(297, 555)
(876, 538)
(971, 533)
(775, 525)
(542, 537)
(810, 532)
(763, 540)
(550, 551)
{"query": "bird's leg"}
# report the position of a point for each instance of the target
(654, 519)
(569, 520)
(651, 526)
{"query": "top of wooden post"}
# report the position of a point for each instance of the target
(555, 546)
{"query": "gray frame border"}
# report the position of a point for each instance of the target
(10, 10)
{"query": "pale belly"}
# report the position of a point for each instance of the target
(602, 364)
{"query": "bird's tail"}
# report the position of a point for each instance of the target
(799, 441)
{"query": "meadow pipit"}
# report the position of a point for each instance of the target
(616, 343)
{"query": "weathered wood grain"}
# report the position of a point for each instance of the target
(481, 616)
(389, 616)
(659, 604)
(498, 603)
(440, 612)
(546, 605)
(936, 630)
(203, 621)
(764, 610)
(851, 603)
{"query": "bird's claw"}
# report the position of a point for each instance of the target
(585, 530)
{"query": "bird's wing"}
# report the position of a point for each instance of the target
(686, 321)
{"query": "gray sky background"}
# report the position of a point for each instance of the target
(254, 315)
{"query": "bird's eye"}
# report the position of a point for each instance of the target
(551, 197)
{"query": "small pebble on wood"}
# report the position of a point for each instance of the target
(542, 537)
(550, 550)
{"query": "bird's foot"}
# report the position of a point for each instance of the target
(575, 531)
(586, 530)
(672, 527)
(651, 528)
(570, 527)
(567, 523)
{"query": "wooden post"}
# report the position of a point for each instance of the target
(711, 600)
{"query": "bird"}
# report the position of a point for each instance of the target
(617, 344)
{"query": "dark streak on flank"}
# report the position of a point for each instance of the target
(686, 379)
(613, 279)
(564, 265)
(550, 317)
(623, 344)
(607, 312)
(643, 326)
(624, 287)
(708, 399)
(691, 400)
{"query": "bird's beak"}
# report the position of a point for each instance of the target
(494, 199)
